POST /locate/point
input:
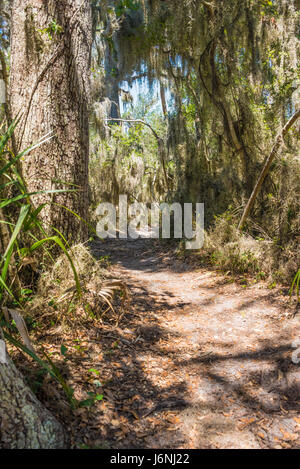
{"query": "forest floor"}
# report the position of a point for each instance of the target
(200, 360)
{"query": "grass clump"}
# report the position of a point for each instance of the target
(56, 288)
(240, 253)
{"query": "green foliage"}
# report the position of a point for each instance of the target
(23, 225)
(296, 285)
(52, 29)
(27, 225)
(127, 161)
(92, 400)
(233, 71)
(123, 5)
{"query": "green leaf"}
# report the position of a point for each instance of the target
(8, 134)
(63, 350)
(23, 153)
(9, 250)
(7, 202)
(86, 403)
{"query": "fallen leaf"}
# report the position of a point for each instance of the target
(115, 423)
(283, 410)
(246, 422)
(289, 436)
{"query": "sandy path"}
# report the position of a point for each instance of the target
(217, 355)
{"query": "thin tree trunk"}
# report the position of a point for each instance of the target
(24, 422)
(111, 62)
(112, 80)
(50, 58)
(266, 168)
(163, 100)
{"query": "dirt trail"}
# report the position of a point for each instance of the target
(208, 362)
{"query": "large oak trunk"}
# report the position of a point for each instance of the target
(24, 422)
(50, 59)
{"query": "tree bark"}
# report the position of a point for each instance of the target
(163, 100)
(112, 80)
(49, 84)
(266, 168)
(24, 422)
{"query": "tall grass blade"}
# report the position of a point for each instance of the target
(59, 242)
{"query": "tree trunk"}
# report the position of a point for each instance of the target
(50, 58)
(112, 80)
(111, 60)
(163, 100)
(24, 422)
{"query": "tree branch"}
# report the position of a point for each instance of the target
(266, 168)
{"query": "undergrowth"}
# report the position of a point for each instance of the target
(39, 290)
(229, 249)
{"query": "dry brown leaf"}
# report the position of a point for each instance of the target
(115, 423)
(131, 411)
(283, 410)
(246, 422)
(289, 436)
(20, 324)
(173, 419)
